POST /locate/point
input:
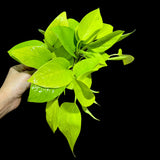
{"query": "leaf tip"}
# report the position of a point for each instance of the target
(128, 60)
(41, 31)
(95, 102)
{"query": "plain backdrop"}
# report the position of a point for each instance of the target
(24, 133)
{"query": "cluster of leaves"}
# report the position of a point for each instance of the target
(70, 53)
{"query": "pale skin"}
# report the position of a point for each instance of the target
(13, 88)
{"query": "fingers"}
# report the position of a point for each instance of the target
(23, 68)
(30, 71)
(19, 68)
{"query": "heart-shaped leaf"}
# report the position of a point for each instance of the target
(60, 20)
(70, 122)
(31, 53)
(54, 74)
(90, 25)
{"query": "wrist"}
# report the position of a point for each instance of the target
(7, 102)
(5, 95)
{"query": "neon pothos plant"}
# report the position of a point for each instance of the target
(70, 53)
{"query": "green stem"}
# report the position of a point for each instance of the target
(85, 47)
(114, 55)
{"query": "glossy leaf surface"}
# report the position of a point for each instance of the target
(54, 74)
(39, 94)
(31, 53)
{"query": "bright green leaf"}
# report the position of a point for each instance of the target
(100, 58)
(87, 66)
(127, 59)
(86, 110)
(61, 52)
(60, 20)
(66, 37)
(41, 31)
(90, 25)
(126, 35)
(70, 122)
(105, 56)
(83, 93)
(54, 74)
(85, 78)
(52, 114)
(107, 29)
(73, 23)
(30, 43)
(39, 94)
(76, 35)
(31, 53)
(106, 42)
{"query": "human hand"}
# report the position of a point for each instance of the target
(13, 87)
